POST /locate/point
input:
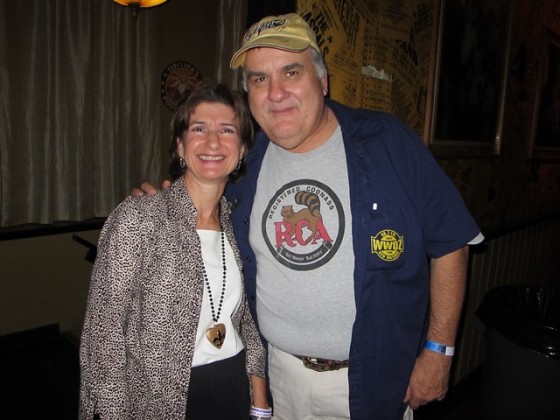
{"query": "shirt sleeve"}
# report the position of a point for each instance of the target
(445, 219)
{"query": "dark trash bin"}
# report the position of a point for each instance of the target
(521, 372)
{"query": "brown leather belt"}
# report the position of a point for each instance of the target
(322, 365)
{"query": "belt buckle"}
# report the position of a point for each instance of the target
(322, 365)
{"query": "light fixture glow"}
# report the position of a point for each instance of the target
(140, 3)
(135, 5)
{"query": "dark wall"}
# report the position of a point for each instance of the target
(512, 188)
(257, 9)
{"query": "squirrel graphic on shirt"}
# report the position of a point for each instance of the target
(310, 214)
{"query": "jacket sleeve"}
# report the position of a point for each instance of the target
(103, 343)
(255, 352)
(253, 344)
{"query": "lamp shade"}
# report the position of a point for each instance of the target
(140, 3)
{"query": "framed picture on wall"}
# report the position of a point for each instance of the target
(545, 129)
(470, 76)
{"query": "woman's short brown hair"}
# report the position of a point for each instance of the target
(208, 92)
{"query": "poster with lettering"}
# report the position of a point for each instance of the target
(378, 53)
(342, 31)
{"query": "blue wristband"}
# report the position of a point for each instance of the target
(439, 348)
(260, 413)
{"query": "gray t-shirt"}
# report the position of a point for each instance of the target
(301, 234)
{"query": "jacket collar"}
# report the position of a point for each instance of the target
(181, 207)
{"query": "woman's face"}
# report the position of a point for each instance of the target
(211, 145)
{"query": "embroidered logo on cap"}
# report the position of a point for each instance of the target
(257, 29)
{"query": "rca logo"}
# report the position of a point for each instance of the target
(303, 224)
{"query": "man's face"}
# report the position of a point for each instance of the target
(286, 97)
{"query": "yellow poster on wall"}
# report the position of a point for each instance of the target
(378, 53)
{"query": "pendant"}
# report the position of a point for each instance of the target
(216, 335)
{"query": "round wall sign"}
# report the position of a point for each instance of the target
(178, 79)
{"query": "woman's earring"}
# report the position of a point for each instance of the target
(239, 164)
(182, 163)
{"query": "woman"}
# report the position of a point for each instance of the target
(167, 331)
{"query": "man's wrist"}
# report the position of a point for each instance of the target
(439, 348)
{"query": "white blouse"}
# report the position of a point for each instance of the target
(204, 351)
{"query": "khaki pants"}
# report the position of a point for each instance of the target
(303, 394)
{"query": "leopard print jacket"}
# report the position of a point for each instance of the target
(143, 308)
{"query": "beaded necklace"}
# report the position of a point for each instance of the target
(217, 333)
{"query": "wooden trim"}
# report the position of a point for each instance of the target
(502, 229)
(32, 230)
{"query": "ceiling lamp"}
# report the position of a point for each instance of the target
(135, 5)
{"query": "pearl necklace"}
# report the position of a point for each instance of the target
(217, 334)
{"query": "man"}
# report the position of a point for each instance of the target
(354, 241)
(336, 219)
